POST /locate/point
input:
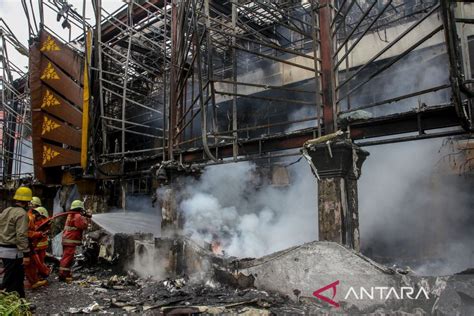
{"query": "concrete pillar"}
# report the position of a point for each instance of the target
(167, 186)
(338, 166)
(169, 211)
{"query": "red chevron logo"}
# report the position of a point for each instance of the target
(332, 286)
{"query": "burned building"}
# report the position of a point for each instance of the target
(133, 109)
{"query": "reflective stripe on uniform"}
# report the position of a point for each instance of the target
(71, 241)
(42, 244)
(70, 228)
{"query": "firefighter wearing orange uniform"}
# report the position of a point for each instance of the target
(34, 203)
(42, 243)
(31, 270)
(72, 237)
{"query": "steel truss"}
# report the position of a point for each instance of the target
(217, 81)
(15, 125)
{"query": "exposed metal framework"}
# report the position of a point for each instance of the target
(206, 81)
(15, 125)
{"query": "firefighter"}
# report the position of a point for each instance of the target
(14, 246)
(42, 243)
(72, 237)
(35, 202)
(32, 269)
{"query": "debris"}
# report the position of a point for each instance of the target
(308, 158)
(73, 310)
(323, 139)
(129, 309)
(100, 290)
(211, 284)
(234, 286)
(94, 307)
(238, 280)
(116, 303)
(254, 311)
(174, 285)
(354, 116)
(120, 282)
(122, 302)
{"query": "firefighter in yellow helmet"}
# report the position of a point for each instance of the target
(32, 270)
(37, 270)
(35, 202)
(14, 247)
(43, 242)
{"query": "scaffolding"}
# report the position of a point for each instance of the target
(15, 136)
(203, 81)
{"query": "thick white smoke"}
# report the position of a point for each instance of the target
(251, 218)
(412, 212)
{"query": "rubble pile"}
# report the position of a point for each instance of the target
(140, 274)
(99, 293)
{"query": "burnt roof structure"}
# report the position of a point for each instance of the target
(204, 81)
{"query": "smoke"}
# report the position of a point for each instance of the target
(412, 213)
(140, 217)
(300, 114)
(147, 262)
(236, 206)
(419, 70)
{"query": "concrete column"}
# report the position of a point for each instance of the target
(169, 211)
(338, 165)
(167, 187)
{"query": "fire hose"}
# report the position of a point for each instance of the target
(34, 256)
(56, 216)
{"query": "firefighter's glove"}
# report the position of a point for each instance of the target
(87, 213)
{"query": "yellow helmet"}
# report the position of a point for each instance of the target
(77, 204)
(36, 201)
(42, 211)
(23, 194)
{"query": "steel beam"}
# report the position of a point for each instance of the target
(432, 118)
(327, 63)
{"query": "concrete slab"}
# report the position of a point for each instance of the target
(342, 280)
